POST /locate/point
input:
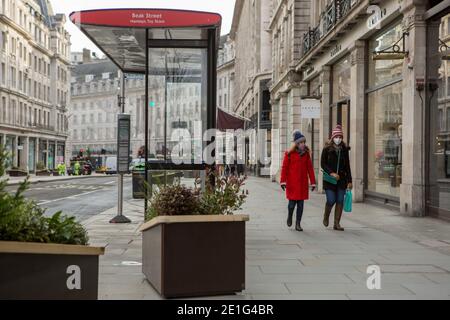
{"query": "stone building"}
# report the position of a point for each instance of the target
(253, 72)
(225, 74)
(34, 83)
(380, 70)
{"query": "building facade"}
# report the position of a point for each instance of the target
(381, 71)
(34, 83)
(95, 89)
(253, 72)
(290, 19)
(94, 107)
(225, 74)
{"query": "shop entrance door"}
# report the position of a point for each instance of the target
(340, 114)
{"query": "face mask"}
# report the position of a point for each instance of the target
(337, 141)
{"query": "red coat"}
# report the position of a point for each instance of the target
(295, 172)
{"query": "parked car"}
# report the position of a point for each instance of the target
(137, 164)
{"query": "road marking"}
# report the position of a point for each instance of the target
(65, 198)
(111, 182)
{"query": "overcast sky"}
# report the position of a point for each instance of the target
(79, 41)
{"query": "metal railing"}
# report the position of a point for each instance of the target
(333, 13)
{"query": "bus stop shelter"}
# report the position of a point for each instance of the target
(176, 50)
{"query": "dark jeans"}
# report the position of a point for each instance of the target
(299, 204)
(335, 196)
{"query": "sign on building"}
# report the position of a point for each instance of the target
(123, 143)
(310, 108)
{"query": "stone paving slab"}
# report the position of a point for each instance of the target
(282, 263)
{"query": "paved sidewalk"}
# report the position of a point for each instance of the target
(37, 179)
(319, 263)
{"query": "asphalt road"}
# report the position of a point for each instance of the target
(82, 198)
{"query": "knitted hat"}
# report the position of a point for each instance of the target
(298, 137)
(337, 132)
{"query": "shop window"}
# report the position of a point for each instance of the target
(448, 119)
(341, 79)
(383, 71)
(385, 140)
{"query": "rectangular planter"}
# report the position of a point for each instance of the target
(191, 256)
(43, 173)
(35, 271)
(17, 173)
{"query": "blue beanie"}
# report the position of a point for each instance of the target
(298, 137)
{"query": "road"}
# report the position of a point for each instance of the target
(82, 198)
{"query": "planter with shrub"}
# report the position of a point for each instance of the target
(17, 172)
(193, 245)
(43, 257)
(41, 170)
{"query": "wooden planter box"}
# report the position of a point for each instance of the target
(17, 173)
(48, 271)
(44, 173)
(189, 256)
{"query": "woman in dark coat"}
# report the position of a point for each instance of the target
(334, 149)
(297, 168)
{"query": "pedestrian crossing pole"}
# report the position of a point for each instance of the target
(123, 152)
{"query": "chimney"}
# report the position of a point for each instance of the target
(86, 55)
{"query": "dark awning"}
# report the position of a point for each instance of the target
(226, 121)
(120, 33)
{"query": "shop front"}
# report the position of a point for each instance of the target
(32, 155)
(340, 107)
(60, 152)
(438, 117)
(384, 118)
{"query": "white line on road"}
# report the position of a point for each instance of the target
(65, 198)
(111, 182)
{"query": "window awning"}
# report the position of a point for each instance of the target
(226, 121)
(120, 33)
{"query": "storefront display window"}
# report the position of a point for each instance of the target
(384, 131)
(385, 140)
(383, 71)
(340, 109)
(438, 132)
(341, 79)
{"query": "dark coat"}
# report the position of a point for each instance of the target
(295, 172)
(329, 162)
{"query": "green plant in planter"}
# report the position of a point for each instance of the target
(173, 200)
(24, 221)
(40, 166)
(224, 198)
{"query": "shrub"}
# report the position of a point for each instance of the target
(224, 198)
(40, 166)
(173, 200)
(23, 220)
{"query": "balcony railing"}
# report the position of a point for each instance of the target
(40, 126)
(333, 13)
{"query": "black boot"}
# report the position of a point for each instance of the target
(338, 216)
(326, 216)
(289, 219)
(298, 226)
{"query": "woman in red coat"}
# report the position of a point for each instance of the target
(297, 168)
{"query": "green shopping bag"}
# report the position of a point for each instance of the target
(348, 200)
